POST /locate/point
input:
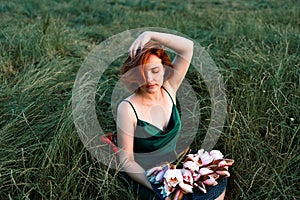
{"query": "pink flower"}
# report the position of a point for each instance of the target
(216, 154)
(193, 157)
(204, 171)
(224, 162)
(205, 157)
(196, 176)
(193, 166)
(187, 176)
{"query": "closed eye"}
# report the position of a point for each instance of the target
(155, 70)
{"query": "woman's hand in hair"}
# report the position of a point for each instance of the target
(139, 43)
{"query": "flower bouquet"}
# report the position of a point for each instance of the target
(197, 171)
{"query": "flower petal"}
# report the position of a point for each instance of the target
(205, 171)
(193, 166)
(222, 163)
(186, 187)
(206, 158)
(223, 173)
(159, 177)
(215, 176)
(187, 176)
(229, 162)
(210, 181)
(193, 157)
(216, 154)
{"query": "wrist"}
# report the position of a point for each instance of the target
(149, 34)
(149, 186)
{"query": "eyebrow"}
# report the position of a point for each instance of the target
(155, 66)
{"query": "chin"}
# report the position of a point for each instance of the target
(153, 89)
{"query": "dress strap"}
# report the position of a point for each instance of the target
(168, 94)
(132, 108)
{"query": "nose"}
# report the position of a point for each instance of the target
(149, 77)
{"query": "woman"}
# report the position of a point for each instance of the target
(148, 120)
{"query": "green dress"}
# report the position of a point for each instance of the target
(152, 146)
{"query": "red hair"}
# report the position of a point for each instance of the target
(132, 71)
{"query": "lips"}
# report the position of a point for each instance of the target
(151, 85)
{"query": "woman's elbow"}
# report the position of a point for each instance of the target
(125, 162)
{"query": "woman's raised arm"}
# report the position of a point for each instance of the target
(182, 46)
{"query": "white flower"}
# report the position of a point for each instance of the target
(200, 151)
(173, 177)
(205, 157)
(199, 170)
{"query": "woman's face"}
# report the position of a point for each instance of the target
(154, 74)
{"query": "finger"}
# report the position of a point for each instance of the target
(143, 43)
(153, 170)
(136, 46)
(131, 49)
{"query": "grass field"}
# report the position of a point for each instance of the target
(255, 44)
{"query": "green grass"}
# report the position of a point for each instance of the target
(255, 44)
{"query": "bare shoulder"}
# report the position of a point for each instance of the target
(124, 105)
(124, 108)
(125, 113)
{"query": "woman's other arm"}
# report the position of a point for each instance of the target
(125, 123)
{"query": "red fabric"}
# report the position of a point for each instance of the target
(110, 138)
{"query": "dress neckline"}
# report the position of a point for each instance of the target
(150, 124)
